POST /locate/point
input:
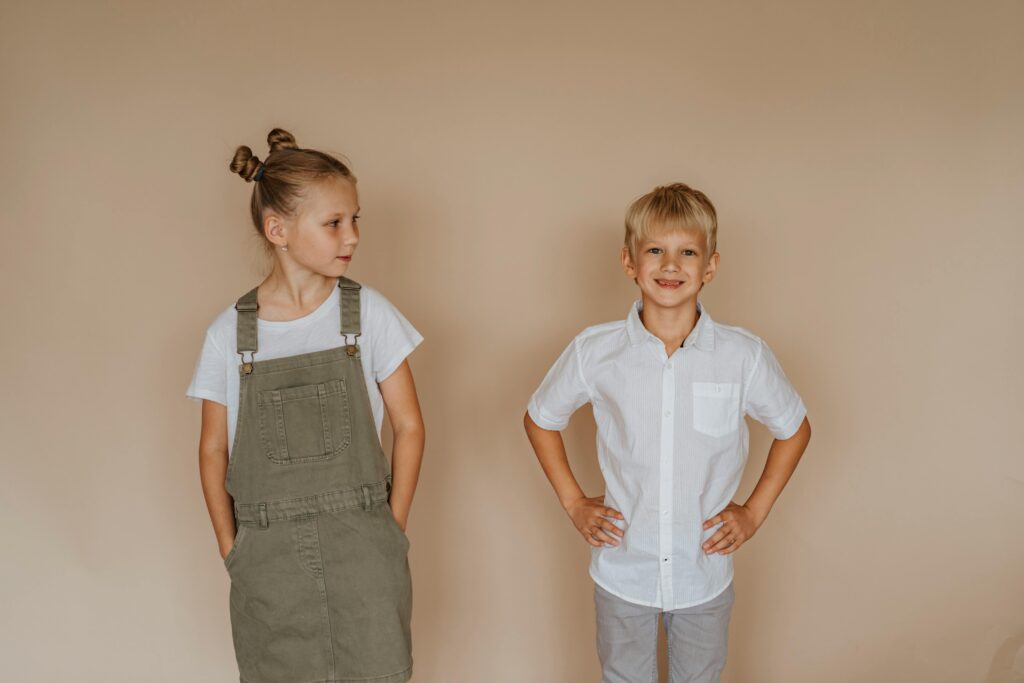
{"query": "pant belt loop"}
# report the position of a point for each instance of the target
(366, 497)
(264, 522)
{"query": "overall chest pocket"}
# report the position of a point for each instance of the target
(304, 423)
(716, 407)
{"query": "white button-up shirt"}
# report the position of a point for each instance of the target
(671, 444)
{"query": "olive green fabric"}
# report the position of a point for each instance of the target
(320, 584)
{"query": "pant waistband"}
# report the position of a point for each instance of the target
(261, 514)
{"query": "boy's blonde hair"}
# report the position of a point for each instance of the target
(671, 207)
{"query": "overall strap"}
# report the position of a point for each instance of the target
(350, 307)
(246, 327)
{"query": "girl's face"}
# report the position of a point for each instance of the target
(324, 232)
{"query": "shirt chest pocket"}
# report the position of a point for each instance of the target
(716, 408)
(304, 423)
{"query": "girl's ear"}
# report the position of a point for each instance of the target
(627, 263)
(273, 229)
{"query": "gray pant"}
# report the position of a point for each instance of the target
(627, 639)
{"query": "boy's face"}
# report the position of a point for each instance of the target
(671, 267)
(323, 234)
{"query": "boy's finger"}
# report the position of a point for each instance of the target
(590, 539)
(612, 512)
(732, 548)
(608, 526)
(605, 537)
(713, 521)
(714, 540)
(726, 542)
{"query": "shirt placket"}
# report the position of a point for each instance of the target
(667, 475)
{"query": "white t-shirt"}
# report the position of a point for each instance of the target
(387, 338)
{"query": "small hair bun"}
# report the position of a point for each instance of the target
(279, 139)
(245, 164)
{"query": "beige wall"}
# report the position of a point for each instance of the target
(866, 162)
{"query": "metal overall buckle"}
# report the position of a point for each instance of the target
(351, 348)
(246, 365)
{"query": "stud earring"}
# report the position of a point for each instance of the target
(284, 248)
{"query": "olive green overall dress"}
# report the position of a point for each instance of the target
(320, 584)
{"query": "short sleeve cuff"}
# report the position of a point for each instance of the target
(402, 353)
(201, 394)
(788, 427)
(543, 421)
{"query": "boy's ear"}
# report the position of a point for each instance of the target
(711, 268)
(627, 263)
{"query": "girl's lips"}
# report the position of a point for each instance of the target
(345, 258)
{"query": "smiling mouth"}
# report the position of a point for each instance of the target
(668, 284)
(345, 258)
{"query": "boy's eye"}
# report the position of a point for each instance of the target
(689, 252)
(654, 250)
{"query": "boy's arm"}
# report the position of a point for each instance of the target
(403, 406)
(740, 522)
(589, 515)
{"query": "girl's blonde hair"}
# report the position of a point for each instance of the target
(671, 207)
(280, 181)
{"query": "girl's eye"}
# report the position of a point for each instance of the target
(333, 223)
(355, 218)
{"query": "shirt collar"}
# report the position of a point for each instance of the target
(702, 335)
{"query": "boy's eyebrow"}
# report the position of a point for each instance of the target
(656, 242)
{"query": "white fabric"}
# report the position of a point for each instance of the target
(387, 338)
(671, 443)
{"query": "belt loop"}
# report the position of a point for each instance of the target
(366, 497)
(264, 522)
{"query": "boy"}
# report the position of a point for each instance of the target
(669, 389)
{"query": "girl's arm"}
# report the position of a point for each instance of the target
(213, 467)
(399, 393)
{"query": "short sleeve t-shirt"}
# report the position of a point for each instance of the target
(387, 339)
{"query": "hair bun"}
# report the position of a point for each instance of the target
(279, 139)
(245, 164)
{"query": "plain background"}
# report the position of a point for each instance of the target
(866, 161)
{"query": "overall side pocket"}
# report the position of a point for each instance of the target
(240, 534)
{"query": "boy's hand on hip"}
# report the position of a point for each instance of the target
(738, 522)
(594, 521)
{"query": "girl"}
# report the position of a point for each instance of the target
(296, 376)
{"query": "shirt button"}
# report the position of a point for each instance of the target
(664, 513)
(668, 413)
